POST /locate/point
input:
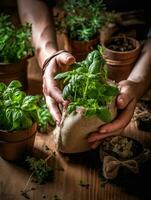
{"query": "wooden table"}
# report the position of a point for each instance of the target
(71, 169)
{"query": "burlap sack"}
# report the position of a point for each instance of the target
(71, 135)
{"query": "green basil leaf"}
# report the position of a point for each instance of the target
(67, 91)
(15, 84)
(18, 97)
(90, 112)
(110, 90)
(17, 117)
(30, 103)
(62, 75)
(95, 67)
(26, 122)
(71, 108)
(104, 114)
(2, 87)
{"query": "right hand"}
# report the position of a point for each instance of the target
(52, 93)
(126, 103)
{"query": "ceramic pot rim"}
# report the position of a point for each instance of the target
(137, 48)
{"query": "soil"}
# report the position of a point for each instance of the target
(120, 44)
(121, 147)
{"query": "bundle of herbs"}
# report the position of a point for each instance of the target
(19, 110)
(15, 42)
(91, 96)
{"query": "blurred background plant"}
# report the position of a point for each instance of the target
(82, 20)
(15, 43)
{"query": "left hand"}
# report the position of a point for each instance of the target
(126, 103)
(51, 90)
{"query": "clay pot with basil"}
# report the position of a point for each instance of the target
(80, 49)
(121, 54)
(14, 71)
(17, 144)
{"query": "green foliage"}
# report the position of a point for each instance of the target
(19, 111)
(82, 19)
(55, 197)
(87, 85)
(15, 43)
(84, 184)
(41, 170)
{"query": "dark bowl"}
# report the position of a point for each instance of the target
(109, 147)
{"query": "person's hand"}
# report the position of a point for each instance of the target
(126, 103)
(52, 93)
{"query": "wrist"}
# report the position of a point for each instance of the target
(138, 88)
(43, 53)
(47, 61)
(129, 88)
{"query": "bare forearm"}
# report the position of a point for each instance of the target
(37, 13)
(142, 71)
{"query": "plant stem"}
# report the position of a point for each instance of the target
(29, 179)
(49, 156)
(25, 188)
(86, 88)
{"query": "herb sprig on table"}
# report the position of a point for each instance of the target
(40, 168)
(15, 42)
(87, 85)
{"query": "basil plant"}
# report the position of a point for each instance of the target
(19, 111)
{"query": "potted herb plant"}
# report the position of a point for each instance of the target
(121, 53)
(81, 21)
(15, 48)
(92, 103)
(20, 114)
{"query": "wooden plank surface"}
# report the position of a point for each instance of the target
(71, 169)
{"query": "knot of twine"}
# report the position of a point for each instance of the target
(111, 166)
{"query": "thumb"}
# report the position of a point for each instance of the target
(123, 100)
(65, 59)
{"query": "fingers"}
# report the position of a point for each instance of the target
(99, 136)
(53, 99)
(126, 102)
(53, 109)
(95, 138)
(122, 119)
(113, 128)
(65, 59)
(94, 145)
(51, 89)
(125, 95)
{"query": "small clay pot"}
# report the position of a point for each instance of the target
(15, 145)
(120, 63)
(14, 71)
(80, 49)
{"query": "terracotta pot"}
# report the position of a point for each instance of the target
(14, 71)
(80, 49)
(15, 145)
(119, 63)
